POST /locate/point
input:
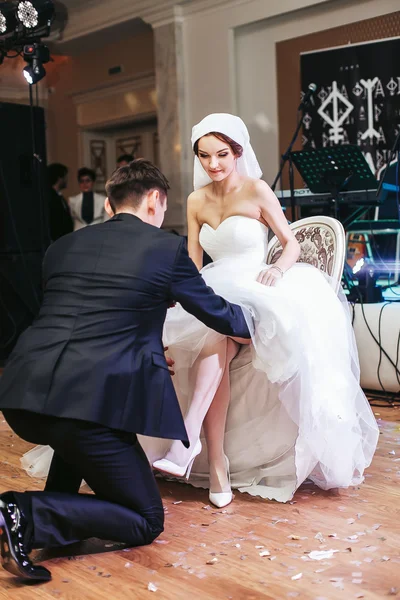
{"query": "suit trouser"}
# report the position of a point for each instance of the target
(126, 507)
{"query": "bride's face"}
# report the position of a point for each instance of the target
(216, 157)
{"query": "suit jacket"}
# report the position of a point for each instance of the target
(59, 215)
(99, 213)
(95, 351)
(206, 259)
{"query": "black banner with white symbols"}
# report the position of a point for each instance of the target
(357, 100)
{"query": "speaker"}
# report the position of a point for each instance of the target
(24, 230)
(23, 180)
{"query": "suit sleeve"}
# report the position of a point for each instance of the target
(189, 289)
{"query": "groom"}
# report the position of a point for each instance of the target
(91, 373)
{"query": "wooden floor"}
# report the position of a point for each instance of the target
(253, 549)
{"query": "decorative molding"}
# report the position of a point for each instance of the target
(17, 93)
(207, 6)
(21, 93)
(167, 13)
(94, 16)
(128, 84)
(91, 18)
(179, 11)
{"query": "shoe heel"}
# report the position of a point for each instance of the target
(5, 555)
(222, 499)
(189, 469)
(196, 452)
(4, 547)
(166, 466)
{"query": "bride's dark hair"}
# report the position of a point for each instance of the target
(234, 146)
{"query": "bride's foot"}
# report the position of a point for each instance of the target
(179, 460)
(220, 485)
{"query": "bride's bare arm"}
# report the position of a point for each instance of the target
(273, 214)
(194, 248)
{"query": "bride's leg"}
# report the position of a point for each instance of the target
(214, 426)
(205, 377)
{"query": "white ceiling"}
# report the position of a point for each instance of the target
(95, 39)
(83, 24)
(88, 16)
(70, 13)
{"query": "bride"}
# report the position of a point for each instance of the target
(295, 410)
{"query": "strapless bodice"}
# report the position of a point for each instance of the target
(236, 237)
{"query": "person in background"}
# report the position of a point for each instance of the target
(124, 160)
(87, 208)
(60, 220)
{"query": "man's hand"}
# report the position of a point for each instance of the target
(170, 363)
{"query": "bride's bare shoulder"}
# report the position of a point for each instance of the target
(259, 190)
(257, 185)
(196, 199)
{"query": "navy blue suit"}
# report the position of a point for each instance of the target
(90, 373)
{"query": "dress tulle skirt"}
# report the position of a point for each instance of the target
(297, 410)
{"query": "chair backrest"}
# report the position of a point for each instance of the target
(322, 244)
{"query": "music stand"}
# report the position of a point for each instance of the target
(334, 170)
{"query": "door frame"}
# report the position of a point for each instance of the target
(87, 133)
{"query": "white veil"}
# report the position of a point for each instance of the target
(234, 128)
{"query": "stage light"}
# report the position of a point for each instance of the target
(34, 72)
(35, 14)
(28, 15)
(367, 290)
(28, 74)
(8, 21)
(35, 55)
(36, 50)
(358, 266)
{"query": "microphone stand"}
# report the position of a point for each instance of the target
(287, 158)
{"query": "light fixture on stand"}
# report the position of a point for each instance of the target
(22, 25)
(35, 55)
(367, 291)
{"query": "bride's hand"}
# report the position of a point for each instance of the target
(270, 276)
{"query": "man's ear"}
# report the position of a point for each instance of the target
(152, 201)
(107, 208)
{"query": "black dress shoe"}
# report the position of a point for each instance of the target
(14, 556)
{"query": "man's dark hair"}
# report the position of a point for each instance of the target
(56, 171)
(128, 158)
(128, 185)
(85, 172)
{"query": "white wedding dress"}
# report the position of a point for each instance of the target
(297, 410)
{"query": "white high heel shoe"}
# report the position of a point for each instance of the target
(167, 466)
(221, 499)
